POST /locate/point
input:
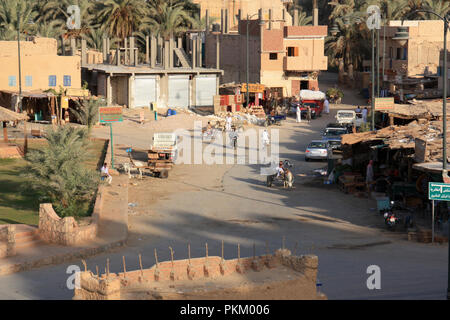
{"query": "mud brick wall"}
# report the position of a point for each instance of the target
(213, 267)
(64, 231)
(7, 241)
(92, 288)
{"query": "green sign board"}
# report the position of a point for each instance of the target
(110, 114)
(438, 191)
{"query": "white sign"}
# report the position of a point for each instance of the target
(374, 20)
(74, 20)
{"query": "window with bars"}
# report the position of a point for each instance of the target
(28, 81)
(67, 81)
(12, 81)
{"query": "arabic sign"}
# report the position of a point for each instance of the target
(254, 87)
(384, 104)
(438, 191)
(110, 114)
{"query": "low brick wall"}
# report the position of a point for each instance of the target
(64, 231)
(9, 151)
(7, 241)
(108, 286)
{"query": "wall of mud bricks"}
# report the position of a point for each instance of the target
(7, 241)
(107, 286)
(64, 231)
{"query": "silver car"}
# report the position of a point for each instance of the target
(317, 149)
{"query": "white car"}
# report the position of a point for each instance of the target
(349, 117)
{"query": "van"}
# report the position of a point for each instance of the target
(349, 117)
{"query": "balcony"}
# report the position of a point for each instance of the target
(305, 63)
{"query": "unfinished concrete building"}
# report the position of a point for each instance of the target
(282, 56)
(168, 78)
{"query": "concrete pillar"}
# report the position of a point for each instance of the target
(118, 56)
(239, 16)
(63, 47)
(171, 53)
(226, 21)
(217, 51)
(73, 46)
(199, 52)
(108, 49)
(108, 90)
(160, 50)
(125, 45)
(131, 91)
(136, 56)
(315, 13)
(295, 18)
(166, 54)
(194, 53)
(105, 53)
(154, 51)
(270, 19)
(147, 49)
(284, 15)
(222, 18)
(207, 21)
(83, 52)
(260, 14)
(132, 62)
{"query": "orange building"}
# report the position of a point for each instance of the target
(283, 57)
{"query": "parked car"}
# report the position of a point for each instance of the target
(333, 133)
(339, 125)
(317, 149)
(348, 117)
(334, 144)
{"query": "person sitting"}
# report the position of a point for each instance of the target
(105, 173)
(280, 170)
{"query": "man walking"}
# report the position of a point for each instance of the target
(299, 114)
(326, 106)
(364, 114)
(308, 114)
(228, 122)
(369, 176)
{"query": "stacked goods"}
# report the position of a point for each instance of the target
(257, 111)
(311, 95)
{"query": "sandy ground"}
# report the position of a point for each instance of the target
(202, 203)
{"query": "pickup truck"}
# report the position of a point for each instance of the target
(349, 117)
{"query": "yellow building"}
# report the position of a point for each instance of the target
(41, 66)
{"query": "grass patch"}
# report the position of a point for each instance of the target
(17, 206)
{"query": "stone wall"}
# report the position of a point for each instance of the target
(108, 286)
(7, 241)
(64, 231)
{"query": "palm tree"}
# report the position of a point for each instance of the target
(12, 12)
(304, 19)
(167, 18)
(52, 29)
(87, 112)
(121, 17)
(57, 172)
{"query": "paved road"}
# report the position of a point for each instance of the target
(241, 209)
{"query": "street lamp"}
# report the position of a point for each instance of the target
(402, 36)
(248, 58)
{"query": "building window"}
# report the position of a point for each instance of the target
(273, 56)
(12, 81)
(292, 52)
(67, 81)
(52, 81)
(28, 81)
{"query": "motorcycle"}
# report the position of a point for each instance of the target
(391, 220)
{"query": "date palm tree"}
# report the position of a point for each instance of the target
(12, 12)
(121, 18)
(57, 173)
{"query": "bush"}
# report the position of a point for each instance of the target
(57, 172)
(335, 94)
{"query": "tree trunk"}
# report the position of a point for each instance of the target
(341, 71)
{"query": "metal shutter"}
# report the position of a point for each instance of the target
(144, 91)
(178, 92)
(205, 90)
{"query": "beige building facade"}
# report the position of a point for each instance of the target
(243, 8)
(41, 66)
(421, 55)
(288, 58)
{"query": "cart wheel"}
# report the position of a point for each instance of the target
(164, 174)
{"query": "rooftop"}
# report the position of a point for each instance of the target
(145, 69)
